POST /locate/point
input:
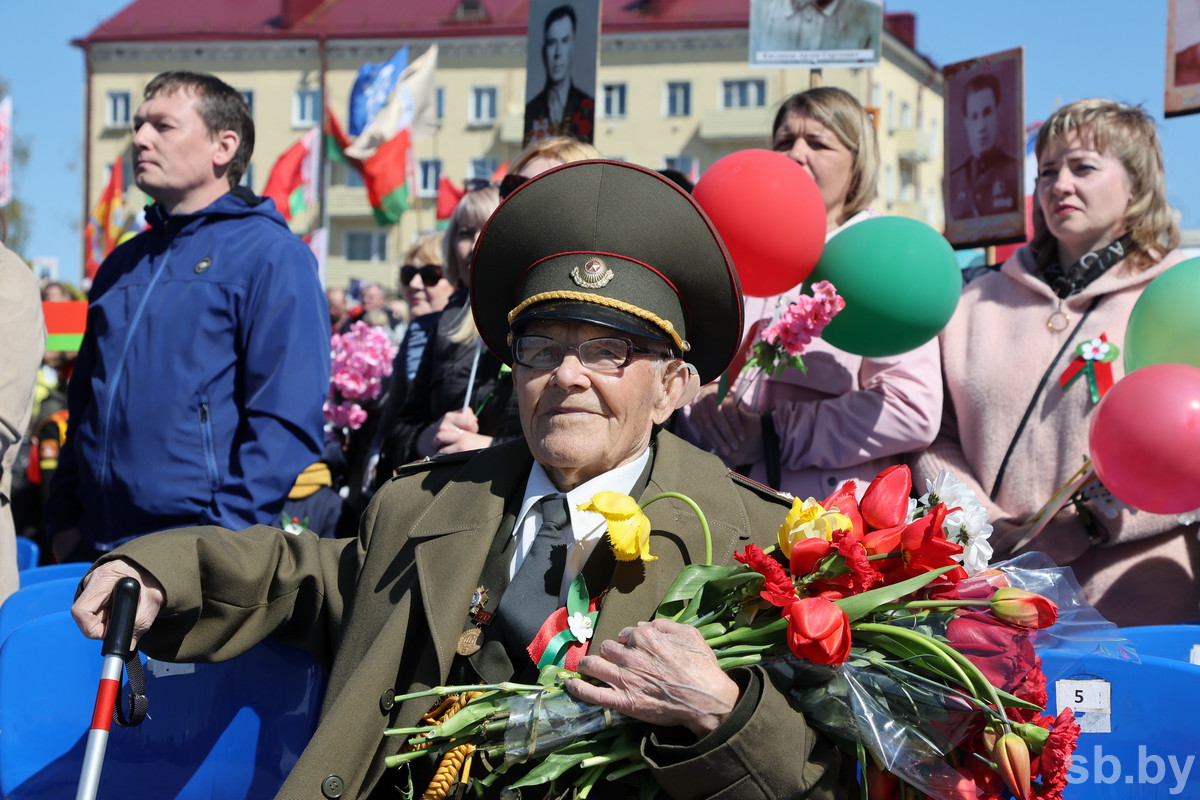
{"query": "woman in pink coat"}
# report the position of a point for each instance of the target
(848, 417)
(1013, 433)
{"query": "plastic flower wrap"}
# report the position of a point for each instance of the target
(361, 358)
(877, 618)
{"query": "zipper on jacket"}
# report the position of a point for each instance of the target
(210, 452)
(114, 383)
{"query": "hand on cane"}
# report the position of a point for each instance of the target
(93, 605)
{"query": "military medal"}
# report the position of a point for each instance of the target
(469, 640)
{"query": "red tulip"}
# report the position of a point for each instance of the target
(1019, 607)
(885, 503)
(818, 630)
(1012, 760)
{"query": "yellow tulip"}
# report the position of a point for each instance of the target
(628, 527)
(808, 519)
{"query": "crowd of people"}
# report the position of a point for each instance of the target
(552, 343)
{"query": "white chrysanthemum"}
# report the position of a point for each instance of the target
(968, 526)
(945, 488)
(914, 510)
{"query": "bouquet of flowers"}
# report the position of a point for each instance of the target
(777, 346)
(361, 359)
(895, 636)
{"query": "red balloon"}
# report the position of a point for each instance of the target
(770, 213)
(1145, 439)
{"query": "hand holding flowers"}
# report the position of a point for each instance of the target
(892, 639)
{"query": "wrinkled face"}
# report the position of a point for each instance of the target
(175, 157)
(823, 156)
(558, 49)
(424, 299)
(1083, 195)
(581, 422)
(981, 121)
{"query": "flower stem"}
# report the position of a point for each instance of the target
(747, 635)
(699, 515)
(903, 606)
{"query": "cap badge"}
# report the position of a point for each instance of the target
(592, 274)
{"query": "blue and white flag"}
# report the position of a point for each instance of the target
(372, 88)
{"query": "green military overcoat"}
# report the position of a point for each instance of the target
(384, 612)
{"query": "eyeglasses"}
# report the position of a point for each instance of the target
(430, 274)
(605, 354)
(510, 184)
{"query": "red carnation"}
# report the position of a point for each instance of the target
(777, 586)
(1054, 762)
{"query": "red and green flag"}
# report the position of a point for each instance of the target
(106, 223)
(385, 146)
(65, 323)
(292, 183)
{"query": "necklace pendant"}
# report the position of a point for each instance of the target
(1059, 320)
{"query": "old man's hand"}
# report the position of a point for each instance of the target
(92, 607)
(660, 672)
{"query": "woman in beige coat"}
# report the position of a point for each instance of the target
(1012, 432)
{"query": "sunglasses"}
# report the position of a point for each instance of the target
(510, 184)
(430, 274)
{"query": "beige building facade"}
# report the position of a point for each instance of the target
(665, 98)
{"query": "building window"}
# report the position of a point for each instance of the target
(116, 110)
(248, 96)
(306, 108)
(366, 245)
(348, 175)
(891, 112)
(431, 173)
(482, 169)
(679, 99)
(909, 190)
(746, 93)
(906, 121)
(439, 99)
(483, 106)
(614, 100)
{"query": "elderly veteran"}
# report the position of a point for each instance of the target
(594, 280)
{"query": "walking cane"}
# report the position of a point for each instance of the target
(116, 652)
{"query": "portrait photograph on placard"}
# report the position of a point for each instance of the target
(560, 69)
(1183, 58)
(815, 33)
(985, 148)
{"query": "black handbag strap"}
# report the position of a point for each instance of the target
(1012, 445)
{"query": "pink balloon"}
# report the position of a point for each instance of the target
(1145, 439)
(770, 215)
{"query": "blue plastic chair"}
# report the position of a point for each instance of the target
(28, 553)
(228, 730)
(1176, 642)
(1143, 739)
(53, 572)
(37, 600)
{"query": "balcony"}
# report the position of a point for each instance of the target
(913, 144)
(347, 201)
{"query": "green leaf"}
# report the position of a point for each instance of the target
(577, 596)
(859, 605)
(693, 583)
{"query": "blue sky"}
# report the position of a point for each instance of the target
(1073, 49)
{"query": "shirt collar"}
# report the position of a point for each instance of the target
(584, 523)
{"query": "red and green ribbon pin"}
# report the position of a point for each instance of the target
(1093, 358)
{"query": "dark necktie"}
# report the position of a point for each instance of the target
(532, 595)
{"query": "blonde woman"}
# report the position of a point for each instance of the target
(1102, 231)
(848, 417)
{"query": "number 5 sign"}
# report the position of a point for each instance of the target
(1090, 699)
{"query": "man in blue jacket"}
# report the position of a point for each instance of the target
(197, 394)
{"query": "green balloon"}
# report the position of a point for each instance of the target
(1164, 326)
(901, 282)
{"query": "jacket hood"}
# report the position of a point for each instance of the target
(241, 202)
(1023, 269)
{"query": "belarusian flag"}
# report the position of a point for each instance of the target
(293, 180)
(448, 196)
(106, 223)
(337, 140)
(65, 324)
(385, 147)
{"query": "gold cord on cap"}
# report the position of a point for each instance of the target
(600, 300)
